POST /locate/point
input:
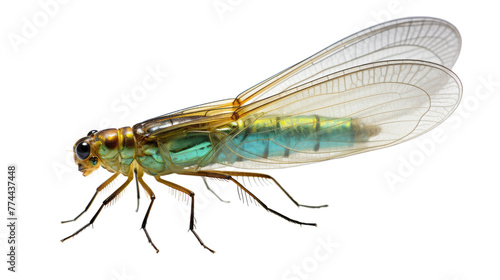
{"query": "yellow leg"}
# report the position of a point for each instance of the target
(100, 188)
(104, 203)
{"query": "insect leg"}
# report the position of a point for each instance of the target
(265, 176)
(208, 187)
(100, 188)
(137, 187)
(104, 203)
(191, 219)
(224, 176)
(152, 196)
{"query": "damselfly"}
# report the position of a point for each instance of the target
(382, 86)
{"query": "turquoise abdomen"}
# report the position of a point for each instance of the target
(174, 153)
(188, 149)
(150, 158)
(283, 136)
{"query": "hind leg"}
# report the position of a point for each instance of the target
(265, 176)
(225, 176)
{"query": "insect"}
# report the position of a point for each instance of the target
(379, 87)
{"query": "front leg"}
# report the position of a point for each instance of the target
(100, 188)
(104, 203)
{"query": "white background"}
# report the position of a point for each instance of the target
(73, 72)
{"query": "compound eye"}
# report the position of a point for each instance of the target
(83, 150)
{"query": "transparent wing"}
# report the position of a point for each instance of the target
(390, 102)
(418, 38)
(202, 119)
(422, 38)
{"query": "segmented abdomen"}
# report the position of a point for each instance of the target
(282, 136)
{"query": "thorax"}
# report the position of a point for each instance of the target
(116, 148)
